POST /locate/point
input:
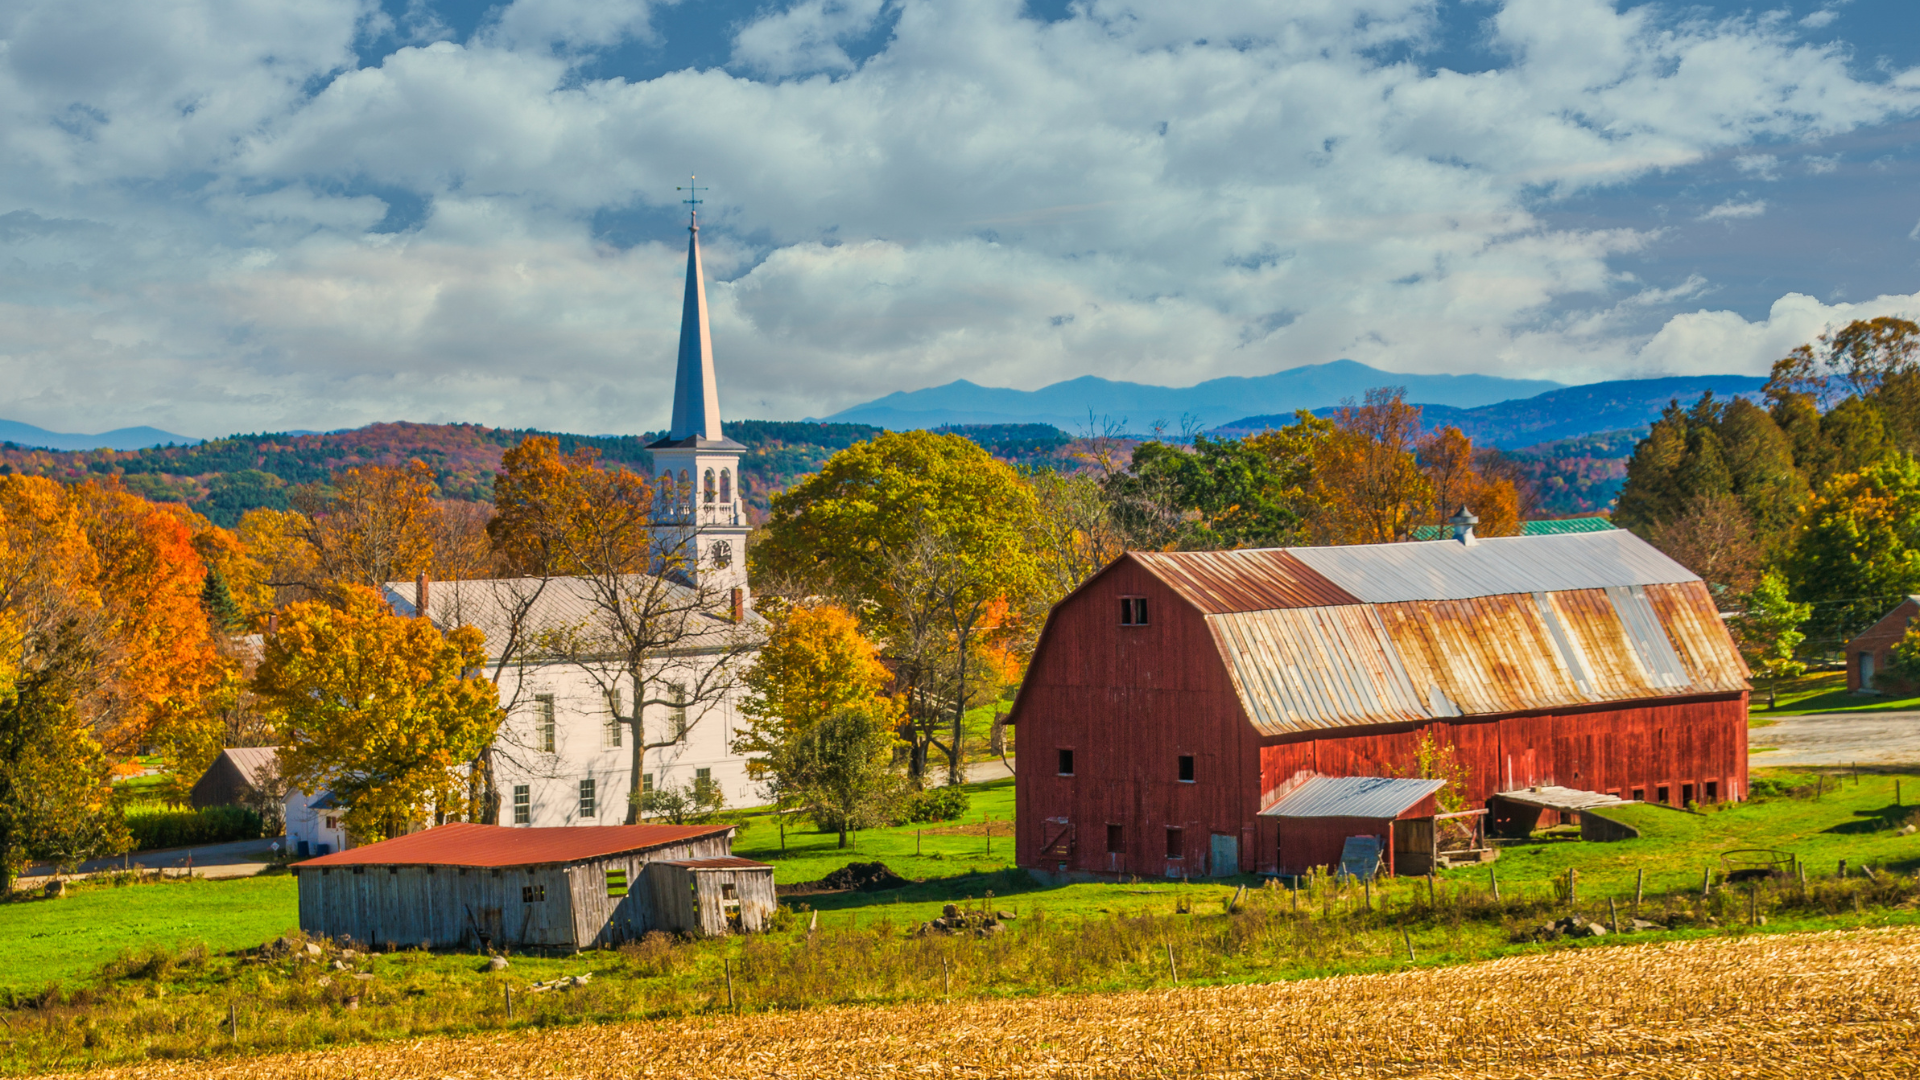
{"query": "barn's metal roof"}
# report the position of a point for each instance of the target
(465, 844)
(254, 762)
(1542, 527)
(1318, 638)
(731, 862)
(1258, 579)
(1496, 566)
(1353, 796)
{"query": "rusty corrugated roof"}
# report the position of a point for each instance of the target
(465, 844)
(1396, 633)
(1260, 579)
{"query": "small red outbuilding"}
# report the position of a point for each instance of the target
(1175, 695)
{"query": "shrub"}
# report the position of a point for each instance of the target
(182, 828)
(937, 804)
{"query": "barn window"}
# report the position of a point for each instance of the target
(1133, 611)
(1660, 796)
(727, 891)
(1066, 763)
(1186, 768)
(1686, 794)
(1713, 791)
(533, 894)
(586, 797)
(616, 883)
(1639, 794)
(393, 869)
(522, 804)
(1176, 847)
(1116, 839)
(543, 717)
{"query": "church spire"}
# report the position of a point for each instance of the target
(696, 400)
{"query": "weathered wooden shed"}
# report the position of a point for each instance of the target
(1313, 820)
(1175, 695)
(554, 888)
(713, 897)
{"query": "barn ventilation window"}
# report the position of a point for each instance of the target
(1713, 791)
(1066, 763)
(1186, 768)
(522, 804)
(1639, 794)
(587, 801)
(1686, 794)
(533, 894)
(1176, 848)
(1116, 839)
(1133, 611)
(1660, 796)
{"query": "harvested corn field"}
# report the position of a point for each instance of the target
(1844, 1003)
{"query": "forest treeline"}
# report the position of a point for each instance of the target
(1811, 495)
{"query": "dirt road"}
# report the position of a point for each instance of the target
(1838, 740)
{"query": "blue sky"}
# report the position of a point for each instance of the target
(221, 215)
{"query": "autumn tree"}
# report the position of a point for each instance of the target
(928, 533)
(1458, 477)
(375, 525)
(1369, 486)
(1714, 536)
(1859, 549)
(385, 712)
(814, 663)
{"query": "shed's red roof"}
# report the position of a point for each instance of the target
(462, 844)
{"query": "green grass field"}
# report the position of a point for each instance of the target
(1821, 692)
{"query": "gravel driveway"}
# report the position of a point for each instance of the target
(1838, 739)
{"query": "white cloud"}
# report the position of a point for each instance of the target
(1819, 165)
(1705, 342)
(1732, 210)
(1206, 190)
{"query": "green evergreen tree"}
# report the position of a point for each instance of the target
(1858, 552)
(223, 612)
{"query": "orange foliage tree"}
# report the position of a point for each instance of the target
(1369, 486)
(1458, 479)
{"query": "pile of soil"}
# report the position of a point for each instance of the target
(864, 877)
(853, 877)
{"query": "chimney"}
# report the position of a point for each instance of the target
(739, 604)
(273, 623)
(1463, 523)
(420, 596)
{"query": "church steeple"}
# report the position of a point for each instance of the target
(696, 401)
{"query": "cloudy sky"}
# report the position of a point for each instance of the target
(227, 215)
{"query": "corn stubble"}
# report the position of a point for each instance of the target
(1840, 1003)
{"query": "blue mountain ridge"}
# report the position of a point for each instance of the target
(1091, 402)
(133, 438)
(1567, 413)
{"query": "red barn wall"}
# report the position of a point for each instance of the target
(1879, 640)
(1130, 700)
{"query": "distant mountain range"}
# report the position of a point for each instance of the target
(1566, 413)
(132, 438)
(1074, 405)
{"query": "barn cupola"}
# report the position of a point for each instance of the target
(1463, 523)
(700, 522)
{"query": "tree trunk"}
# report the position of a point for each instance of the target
(639, 756)
(843, 832)
(955, 772)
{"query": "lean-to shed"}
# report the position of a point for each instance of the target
(553, 888)
(1174, 695)
(1314, 820)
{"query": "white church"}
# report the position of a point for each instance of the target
(572, 749)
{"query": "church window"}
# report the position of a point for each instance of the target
(726, 485)
(677, 712)
(543, 714)
(613, 721)
(664, 493)
(710, 491)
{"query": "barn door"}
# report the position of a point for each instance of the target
(1225, 856)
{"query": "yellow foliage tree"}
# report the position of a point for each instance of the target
(815, 663)
(384, 712)
(1369, 487)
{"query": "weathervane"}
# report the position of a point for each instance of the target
(693, 190)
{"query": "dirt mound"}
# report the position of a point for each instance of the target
(863, 877)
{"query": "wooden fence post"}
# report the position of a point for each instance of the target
(1706, 882)
(1407, 936)
(728, 966)
(1431, 905)
(1613, 915)
(1573, 885)
(1493, 876)
(946, 983)
(233, 1021)
(509, 1004)
(1639, 889)
(1172, 972)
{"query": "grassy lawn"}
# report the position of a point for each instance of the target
(944, 848)
(50, 940)
(1821, 692)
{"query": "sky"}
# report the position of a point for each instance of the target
(234, 215)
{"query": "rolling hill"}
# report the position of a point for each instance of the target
(133, 438)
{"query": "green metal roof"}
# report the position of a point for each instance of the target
(1556, 527)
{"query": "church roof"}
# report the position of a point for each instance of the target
(566, 609)
(696, 400)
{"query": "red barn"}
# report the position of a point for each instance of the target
(1176, 695)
